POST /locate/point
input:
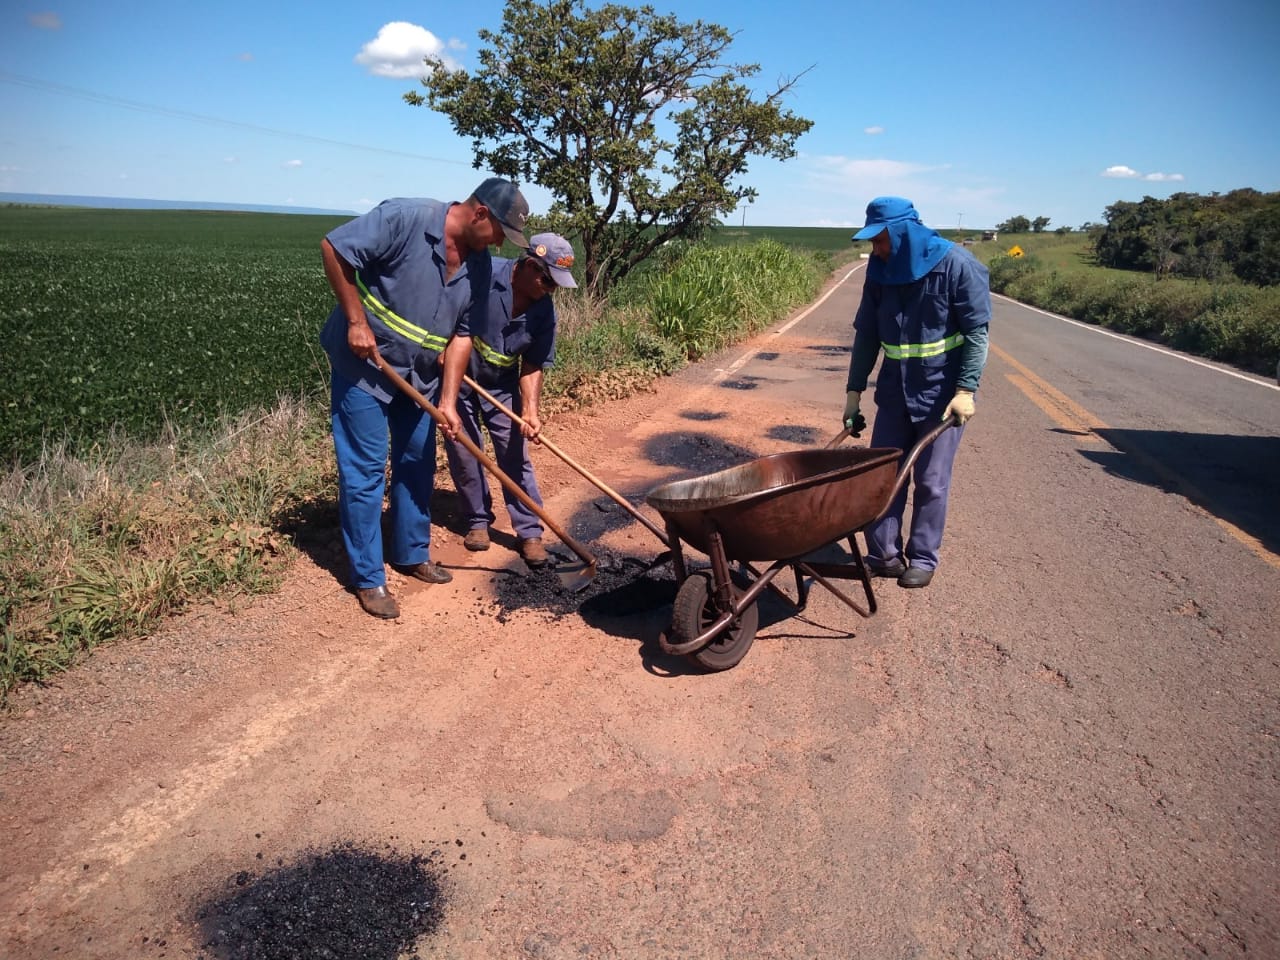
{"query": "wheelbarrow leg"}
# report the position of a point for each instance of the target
(677, 554)
(721, 582)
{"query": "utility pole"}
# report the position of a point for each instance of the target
(958, 216)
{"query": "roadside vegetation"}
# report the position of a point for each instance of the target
(1226, 320)
(165, 398)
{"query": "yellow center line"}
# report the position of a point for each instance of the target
(1077, 420)
(1060, 408)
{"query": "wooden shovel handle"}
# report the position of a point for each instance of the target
(542, 438)
(407, 389)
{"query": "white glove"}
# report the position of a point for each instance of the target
(961, 406)
(854, 421)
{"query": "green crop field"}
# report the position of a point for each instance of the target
(123, 319)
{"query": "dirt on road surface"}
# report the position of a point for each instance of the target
(1034, 757)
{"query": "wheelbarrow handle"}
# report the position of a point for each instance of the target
(546, 442)
(407, 389)
(909, 461)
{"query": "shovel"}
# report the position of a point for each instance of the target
(572, 578)
(542, 439)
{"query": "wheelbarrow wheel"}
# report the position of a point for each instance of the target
(695, 610)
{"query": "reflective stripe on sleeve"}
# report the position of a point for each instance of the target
(914, 351)
(398, 324)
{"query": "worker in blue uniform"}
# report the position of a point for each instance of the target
(511, 347)
(408, 276)
(926, 305)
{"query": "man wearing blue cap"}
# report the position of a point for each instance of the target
(511, 347)
(408, 275)
(927, 304)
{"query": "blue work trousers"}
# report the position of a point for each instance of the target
(929, 484)
(361, 424)
(510, 453)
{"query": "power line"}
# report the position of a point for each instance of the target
(103, 98)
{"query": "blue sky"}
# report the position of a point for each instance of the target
(977, 112)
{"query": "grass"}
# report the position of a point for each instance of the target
(1228, 321)
(106, 544)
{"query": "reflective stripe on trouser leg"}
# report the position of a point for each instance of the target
(469, 477)
(929, 487)
(413, 477)
(359, 424)
(511, 453)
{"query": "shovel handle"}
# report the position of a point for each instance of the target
(407, 389)
(605, 488)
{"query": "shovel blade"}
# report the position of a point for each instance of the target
(576, 577)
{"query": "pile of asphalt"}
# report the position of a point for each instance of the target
(346, 903)
(621, 587)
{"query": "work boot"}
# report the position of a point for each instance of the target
(477, 539)
(377, 602)
(428, 572)
(892, 570)
(915, 578)
(533, 552)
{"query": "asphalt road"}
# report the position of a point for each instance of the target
(1065, 747)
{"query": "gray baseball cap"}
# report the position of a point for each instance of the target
(556, 254)
(507, 203)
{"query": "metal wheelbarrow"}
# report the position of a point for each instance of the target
(776, 510)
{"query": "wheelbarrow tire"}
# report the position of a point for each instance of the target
(694, 610)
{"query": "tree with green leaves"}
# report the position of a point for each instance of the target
(1038, 224)
(1018, 224)
(634, 121)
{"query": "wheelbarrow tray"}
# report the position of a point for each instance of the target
(783, 506)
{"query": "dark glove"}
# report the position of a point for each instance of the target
(853, 419)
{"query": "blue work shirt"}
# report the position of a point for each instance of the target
(529, 339)
(922, 320)
(398, 252)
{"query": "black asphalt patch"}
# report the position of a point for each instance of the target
(346, 903)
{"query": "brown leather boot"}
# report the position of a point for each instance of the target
(427, 572)
(534, 553)
(378, 602)
(477, 539)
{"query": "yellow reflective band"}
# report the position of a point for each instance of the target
(492, 355)
(398, 324)
(912, 351)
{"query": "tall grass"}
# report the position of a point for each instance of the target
(105, 543)
(717, 294)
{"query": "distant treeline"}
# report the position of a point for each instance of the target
(1215, 237)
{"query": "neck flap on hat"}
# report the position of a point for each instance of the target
(915, 251)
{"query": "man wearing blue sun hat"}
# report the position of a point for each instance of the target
(926, 304)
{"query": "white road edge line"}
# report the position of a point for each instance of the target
(737, 364)
(1094, 328)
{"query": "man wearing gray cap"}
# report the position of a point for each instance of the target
(510, 349)
(408, 277)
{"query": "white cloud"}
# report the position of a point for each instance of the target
(873, 130)
(292, 164)
(1128, 173)
(230, 159)
(399, 47)
(245, 57)
(45, 21)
